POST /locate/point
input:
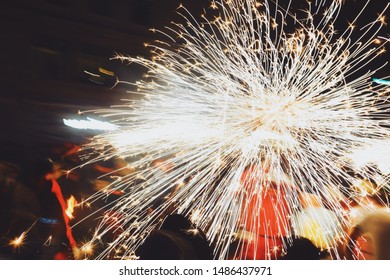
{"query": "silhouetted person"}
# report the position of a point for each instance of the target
(302, 249)
(177, 239)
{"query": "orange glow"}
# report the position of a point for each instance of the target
(107, 72)
(87, 249)
(18, 241)
(163, 165)
(103, 169)
(364, 188)
(364, 248)
(382, 19)
(72, 203)
(263, 212)
(56, 189)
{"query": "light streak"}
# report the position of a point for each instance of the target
(107, 72)
(91, 74)
(48, 241)
(71, 203)
(90, 123)
(381, 81)
(239, 91)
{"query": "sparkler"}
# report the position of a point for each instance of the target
(19, 241)
(240, 112)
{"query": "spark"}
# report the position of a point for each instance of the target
(383, 19)
(48, 241)
(193, 231)
(87, 249)
(351, 25)
(382, 51)
(18, 241)
(213, 5)
(249, 117)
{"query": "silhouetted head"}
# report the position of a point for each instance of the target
(176, 222)
(302, 249)
(166, 245)
(177, 239)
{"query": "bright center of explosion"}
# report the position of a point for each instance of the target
(244, 119)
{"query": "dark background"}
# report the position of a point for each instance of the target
(46, 45)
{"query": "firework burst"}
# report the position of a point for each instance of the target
(243, 113)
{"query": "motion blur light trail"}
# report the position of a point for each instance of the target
(382, 82)
(90, 123)
(237, 91)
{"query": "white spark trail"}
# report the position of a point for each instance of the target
(238, 91)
